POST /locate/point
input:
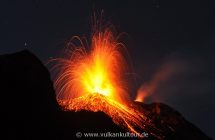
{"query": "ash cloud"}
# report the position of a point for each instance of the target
(185, 81)
(171, 67)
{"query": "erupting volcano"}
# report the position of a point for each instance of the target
(94, 80)
(97, 71)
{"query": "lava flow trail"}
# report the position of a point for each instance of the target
(93, 78)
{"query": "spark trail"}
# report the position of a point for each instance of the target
(94, 80)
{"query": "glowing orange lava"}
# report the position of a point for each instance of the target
(99, 70)
(94, 80)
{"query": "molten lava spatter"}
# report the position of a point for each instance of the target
(130, 116)
(94, 80)
(99, 70)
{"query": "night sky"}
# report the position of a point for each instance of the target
(172, 39)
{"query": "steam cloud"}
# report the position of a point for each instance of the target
(171, 67)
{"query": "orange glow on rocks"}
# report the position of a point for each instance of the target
(93, 78)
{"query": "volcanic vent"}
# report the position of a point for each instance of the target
(94, 80)
(37, 115)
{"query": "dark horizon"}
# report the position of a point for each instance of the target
(179, 35)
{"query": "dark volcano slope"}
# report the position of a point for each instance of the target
(172, 123)
(30, 110)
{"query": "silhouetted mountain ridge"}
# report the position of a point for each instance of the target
(30, 109)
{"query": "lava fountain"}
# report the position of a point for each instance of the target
(97, 71)
(94, 80)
